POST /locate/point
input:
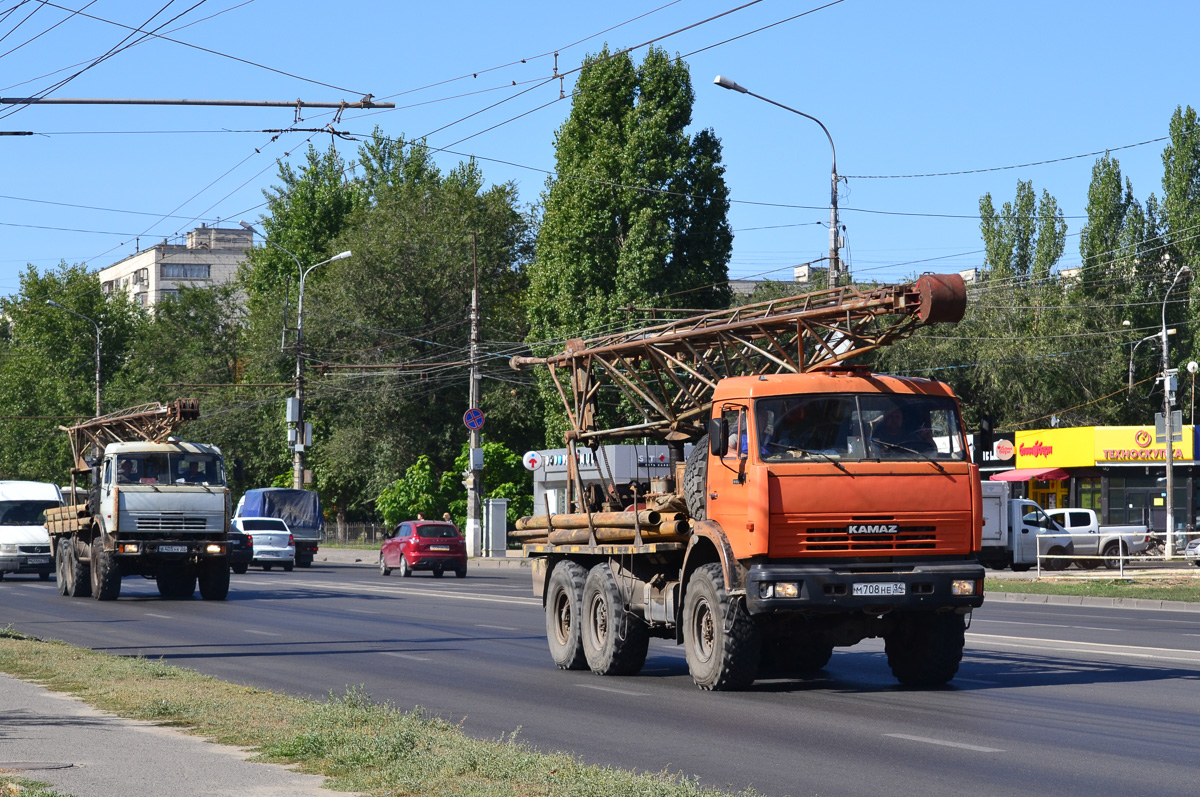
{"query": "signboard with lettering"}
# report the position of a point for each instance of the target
(1136, 444)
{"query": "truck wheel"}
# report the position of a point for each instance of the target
(615, 640)
(304, 560)
(1055, 559)
(214, 580)
(564, 610)
(105, 573)
(720, 639)
(695, 480)
(60, 564)
(79, 575)
(175, 584)
(1112, 555)
(925, 649)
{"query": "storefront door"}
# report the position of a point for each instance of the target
(1048, 495)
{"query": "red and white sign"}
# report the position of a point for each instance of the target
(532, 460)
(1004, 449)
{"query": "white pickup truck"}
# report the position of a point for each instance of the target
(1096, 544)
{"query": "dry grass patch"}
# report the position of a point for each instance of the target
(360, 745)
(1167, 588)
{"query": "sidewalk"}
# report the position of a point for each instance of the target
(54, 738)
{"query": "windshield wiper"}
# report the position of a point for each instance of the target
(920, 454)
(811, 453)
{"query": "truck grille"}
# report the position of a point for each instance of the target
(33, 548)
(836, 539)
(171, 523)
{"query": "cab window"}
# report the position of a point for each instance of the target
(739, 433)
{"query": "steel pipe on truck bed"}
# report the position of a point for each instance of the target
(616, 520)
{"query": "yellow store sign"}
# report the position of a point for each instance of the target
(1136, 444)
(1055, 448)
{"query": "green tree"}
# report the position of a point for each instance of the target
(47, 365)
(636, 210)
(1025, 239)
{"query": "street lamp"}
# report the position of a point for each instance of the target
(1168, 400)
(53, 303)
(1132, 351)
(835, 266)
(298, 446)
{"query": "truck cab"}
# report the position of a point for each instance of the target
(847, 486)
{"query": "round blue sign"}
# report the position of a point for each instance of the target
(473, 418)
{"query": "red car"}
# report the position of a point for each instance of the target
(424, 545)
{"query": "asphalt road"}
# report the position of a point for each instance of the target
(1049, 700)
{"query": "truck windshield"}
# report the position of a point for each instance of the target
(24, 513)
(858, 427)
(173, 467)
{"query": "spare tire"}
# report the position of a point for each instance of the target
(695, 480)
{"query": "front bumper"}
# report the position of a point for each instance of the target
(27, 563)
(821, 589)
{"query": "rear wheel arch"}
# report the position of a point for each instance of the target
(708, 544)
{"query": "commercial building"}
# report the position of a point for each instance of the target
(210, 257)
(1119, 471)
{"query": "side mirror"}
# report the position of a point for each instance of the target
(718, 437)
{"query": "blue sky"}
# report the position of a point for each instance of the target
(904, 89)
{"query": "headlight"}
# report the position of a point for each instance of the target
(963, 587)
(782, 589)
(215, 549)
(128, 547)
(8, 548)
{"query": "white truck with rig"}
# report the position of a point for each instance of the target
(822, 504)
(157, 507)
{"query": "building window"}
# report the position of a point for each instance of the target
(167, 295)
(186, 271)
(140, 298)
(1089, 493)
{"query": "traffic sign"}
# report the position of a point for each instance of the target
(532, 460)
(473, 418)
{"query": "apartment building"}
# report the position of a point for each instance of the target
(210, 257)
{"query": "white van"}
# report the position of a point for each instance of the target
(24, 543)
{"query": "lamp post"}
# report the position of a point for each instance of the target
(835, 265)
(1168, 400)
(1133, 350)
(53, 303)
(296, 416)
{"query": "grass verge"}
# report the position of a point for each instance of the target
(19, 787)
(1159, 589)
(360, 745)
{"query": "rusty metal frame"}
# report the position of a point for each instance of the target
(151, 423)
(667, 372)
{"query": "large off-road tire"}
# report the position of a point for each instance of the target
(61, 550)
(564, 615)
(720, 639)
(79, 575)
(695, 480)
(925, 649)
(175, 584)
(615, 640)
(105, 573)
(214, 580)
(1112, 555)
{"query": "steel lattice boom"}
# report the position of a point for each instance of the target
(149, 423)
(667, 372)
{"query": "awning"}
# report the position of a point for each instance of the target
(1025, 474)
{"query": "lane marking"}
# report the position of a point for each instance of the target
(1047, 625)
(497, 627)
(360, 611)
(262, 633)
(614, 691)
(942, 743)
(399, 592)
(159, 616)
(1060, 646)
(404, 656)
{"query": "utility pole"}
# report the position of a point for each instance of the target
(1169, 384)
(475, 460)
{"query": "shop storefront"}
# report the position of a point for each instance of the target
(1119, 471)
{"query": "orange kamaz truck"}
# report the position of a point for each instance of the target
(821, 505)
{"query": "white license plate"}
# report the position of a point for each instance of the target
(872, 588)
(439, 547)
(38, 560)
(172, 549)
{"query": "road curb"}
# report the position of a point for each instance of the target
(1106, 603)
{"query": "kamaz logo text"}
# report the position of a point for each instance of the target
(873, 528)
